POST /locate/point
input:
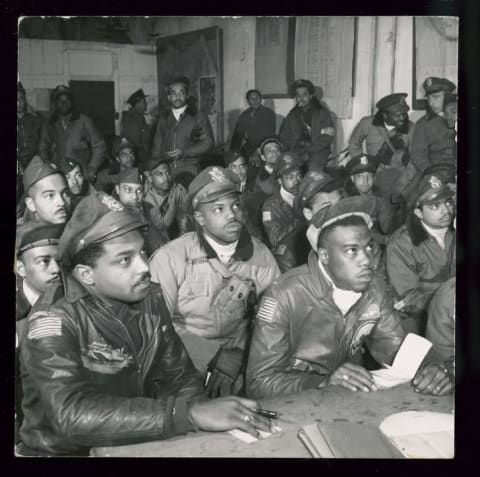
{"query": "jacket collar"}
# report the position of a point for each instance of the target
(73, 289)
(74, 116)
(243, 252)
(415, 229)
(22, 304)
(191, 111)
(320, 283)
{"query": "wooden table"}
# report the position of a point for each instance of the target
(330, 404)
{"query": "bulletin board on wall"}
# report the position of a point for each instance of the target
(198, 55)
(320, 49)
(435, 53)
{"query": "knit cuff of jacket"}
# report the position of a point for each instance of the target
(176, 417)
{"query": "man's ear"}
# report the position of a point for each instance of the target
(262, 157)
(84, 274)
(418, 212)
(20, 268)
(307, 213)
(279, 180)
(117, 189)
(322, 255)
(352, 177)
(199, 218)
(30, 204)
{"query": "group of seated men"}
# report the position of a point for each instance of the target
(156, 296)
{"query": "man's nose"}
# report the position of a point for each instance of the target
(53, 266)
(142, 265)
(365, 258)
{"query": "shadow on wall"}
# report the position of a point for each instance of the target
(268, 103)
(232, 117)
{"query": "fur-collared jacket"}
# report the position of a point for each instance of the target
(192, 133)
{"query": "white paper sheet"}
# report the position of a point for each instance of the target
(421, 435)
(406, 363)
(248, 438)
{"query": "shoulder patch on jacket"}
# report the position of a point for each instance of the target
(267, 309)
(266, 216)
(44, 324)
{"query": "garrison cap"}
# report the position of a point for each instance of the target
(61, 89)
(302, 83)
(361, 163)
(312, 183)
(119, 144)
(97, 218)
(445, 171)
(434, 84)
(211, 184)
(180, 79)
(269, 140)
(395, 103)
(131, 175)
(287, 162)
(361, 206)
(431, 190)
(136, 97)
(154, 162)
(232, 156)
(37, 170)
(34, 234)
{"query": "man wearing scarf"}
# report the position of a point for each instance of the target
(211, 279)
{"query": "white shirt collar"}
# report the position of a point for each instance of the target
(178, 112)
(389, 128)
(30, 294)
(224, 252)
(344, 299)
(287, 196)
(437, 234)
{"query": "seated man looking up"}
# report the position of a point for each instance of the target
(101, 362)
(212, 277)
(285, 230)
(165, 198)
(421, 254)
(314, 319)
(47, 197)
(78, 185)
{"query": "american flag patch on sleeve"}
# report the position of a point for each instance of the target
(44, 324)
(267, 310)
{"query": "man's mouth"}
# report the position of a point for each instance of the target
(365, 275)
(234, 226)
(61, 212)
(54, 279)
(143, 282)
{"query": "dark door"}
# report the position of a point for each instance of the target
(96, 100)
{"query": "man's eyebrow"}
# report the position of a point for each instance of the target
(124, 252)
(48, 191)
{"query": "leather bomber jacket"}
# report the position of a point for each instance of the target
(301, 336)
(85, 383)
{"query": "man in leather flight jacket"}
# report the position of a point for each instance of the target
(101, 362)
(314, 320)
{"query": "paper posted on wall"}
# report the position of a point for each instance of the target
(406, 363)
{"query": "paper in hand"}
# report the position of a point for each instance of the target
(248, 438)
(406, 363)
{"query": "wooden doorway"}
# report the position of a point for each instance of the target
(96, 99)
(198, 55)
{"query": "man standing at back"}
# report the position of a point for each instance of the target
(183, 132)
(308, 127)
(253, 125)
(135, 128)
(68, 133)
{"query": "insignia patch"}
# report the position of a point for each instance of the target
(364, 161)
(111, 203)
(362, 331)
(267, 310)
(266, 216)
(103, 358)
(280, 250)
(44, 324)
(372, 313)
(217, 174)
(435, 182)
(61, 373)
(54, 166)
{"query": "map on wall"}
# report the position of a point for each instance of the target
(436, 53)
(324, 54)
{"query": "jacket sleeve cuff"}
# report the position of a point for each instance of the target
(176, 418)
(315, 381)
